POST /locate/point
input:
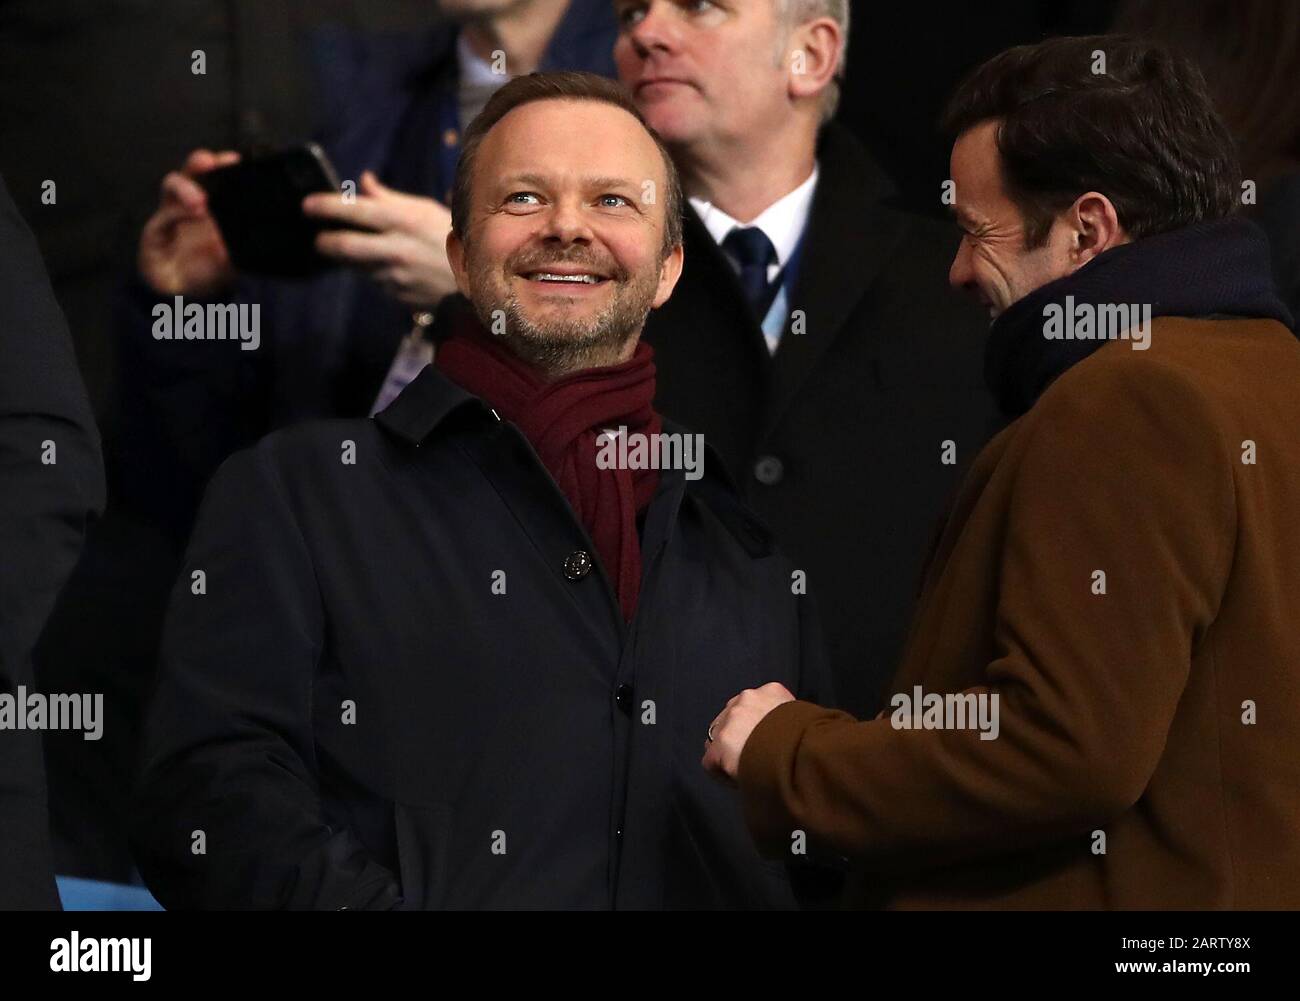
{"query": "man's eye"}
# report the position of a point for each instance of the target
(613, 201)
(521, 198)
(630, 14)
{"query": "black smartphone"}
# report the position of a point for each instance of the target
(257, 204)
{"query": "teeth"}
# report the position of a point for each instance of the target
(582, 279)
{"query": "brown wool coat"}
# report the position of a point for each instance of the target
(1120, 713)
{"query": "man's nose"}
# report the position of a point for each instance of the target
(567, 223)
(961, 275)
(655, 31)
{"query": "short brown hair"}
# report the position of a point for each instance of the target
(1144, 132)
(565, 86)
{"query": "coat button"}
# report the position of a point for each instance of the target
(623, 698)
(577, 565)
(769, 470)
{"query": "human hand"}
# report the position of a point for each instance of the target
(398, 239)
(181, 251)
(730, 730)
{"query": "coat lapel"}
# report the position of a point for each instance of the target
(850, 237)
(715, 272)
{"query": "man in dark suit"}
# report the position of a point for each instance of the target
(51, 481)
(812, 338)
(451, 657)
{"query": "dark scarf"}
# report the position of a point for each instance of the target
(1211, 268)
(562, 420)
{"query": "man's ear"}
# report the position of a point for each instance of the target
(815, 50)
(668, 275)
(456, 258)
(1095, 228)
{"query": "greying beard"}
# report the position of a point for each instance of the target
(559, 349)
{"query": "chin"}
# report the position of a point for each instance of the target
(675, 124)
(559, 321)
(560, 311)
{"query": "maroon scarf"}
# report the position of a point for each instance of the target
(562, 420)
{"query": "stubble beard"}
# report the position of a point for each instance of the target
(560, 347)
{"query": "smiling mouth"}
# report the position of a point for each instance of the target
(559, 278)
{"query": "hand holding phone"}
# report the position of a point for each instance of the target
(181, 249)
(399, 239)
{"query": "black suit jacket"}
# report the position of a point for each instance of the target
(838, 439)
(51, 480)
(529, 709)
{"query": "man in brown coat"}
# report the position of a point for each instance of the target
(1099, 702)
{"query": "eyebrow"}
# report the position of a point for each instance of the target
(963, 217)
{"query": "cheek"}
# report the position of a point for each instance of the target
(990, 265)
(625, 59)
(1006, 263)
(498, 240)
(1040, 267)
(635, 248)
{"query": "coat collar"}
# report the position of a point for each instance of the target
(1218, 267)
(431, 398)
(851, 236)
(424, 404)
(708, 269)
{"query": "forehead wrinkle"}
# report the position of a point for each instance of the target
(545, 180)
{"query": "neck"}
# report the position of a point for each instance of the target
(522, 32)
(747, 174)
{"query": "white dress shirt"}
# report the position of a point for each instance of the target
(783, 222)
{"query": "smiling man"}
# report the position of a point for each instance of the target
(1118, 578)
(446, 659)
